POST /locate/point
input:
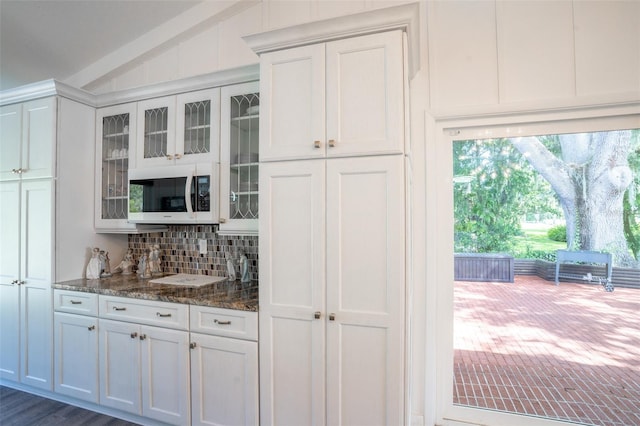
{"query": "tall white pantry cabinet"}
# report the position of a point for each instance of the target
(46, 147)
(332, 233)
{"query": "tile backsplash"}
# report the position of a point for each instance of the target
(180, 250)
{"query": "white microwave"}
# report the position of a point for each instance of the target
(174, 194)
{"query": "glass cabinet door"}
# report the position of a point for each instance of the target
(156, 133)
(115, 151)
(115, 165)
(240, 158)
(198, 125)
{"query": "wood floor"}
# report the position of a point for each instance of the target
(21, 409)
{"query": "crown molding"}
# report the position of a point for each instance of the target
(404, 18)
(204, 81)
(51, 87)
(46, 88)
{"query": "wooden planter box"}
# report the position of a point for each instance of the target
(483, 267)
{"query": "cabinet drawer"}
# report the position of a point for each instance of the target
(75, 302)
(224, 322)
(163, 314)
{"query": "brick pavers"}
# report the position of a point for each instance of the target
(568, 352)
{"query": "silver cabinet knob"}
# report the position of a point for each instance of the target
(332, 316)
(317, 314)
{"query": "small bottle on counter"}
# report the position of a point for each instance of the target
(231, 268)
(244, 268)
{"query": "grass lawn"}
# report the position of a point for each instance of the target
(535, 238)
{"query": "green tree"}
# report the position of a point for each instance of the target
(591, 178)
(631, 202)
(493, 187)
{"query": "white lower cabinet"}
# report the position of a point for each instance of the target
(224, 370)
(76, 356)
(75, 344)
(145, 369)
(224, 381)
(169, 362)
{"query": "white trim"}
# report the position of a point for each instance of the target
(545, 107)
(205, 81)
(44, 89)
(439, 257)
(404, 17)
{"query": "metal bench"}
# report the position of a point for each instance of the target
(585, 256)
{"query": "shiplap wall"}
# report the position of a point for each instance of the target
(506, 52)
(221, 46)
(480, 53)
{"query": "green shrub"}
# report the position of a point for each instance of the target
(558, 233)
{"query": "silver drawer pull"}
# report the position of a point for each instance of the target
(163, 315)
(75, 302)
(91, 328)
(222, 322)
(115, 308)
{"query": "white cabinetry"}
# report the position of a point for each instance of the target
(224, 370)
(332, 291)
(239, 126)
(27, 135)
(145, 369)
(26, 220)
(75, 331)
(332, 233)
(42, 206)
(182, 129)
(339, 98)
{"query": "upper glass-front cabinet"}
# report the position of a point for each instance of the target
(179, 129)
(240, 117)
(113, 154)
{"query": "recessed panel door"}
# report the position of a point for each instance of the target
(292, 339)
(9, 275)
(365, 290)
(365, 106)
(119, 349)
(36, 331)
(292, 115)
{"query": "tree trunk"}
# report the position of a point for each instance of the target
(590, 181)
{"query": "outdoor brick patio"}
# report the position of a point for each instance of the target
(568, 352)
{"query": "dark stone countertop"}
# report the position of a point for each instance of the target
(224, 294)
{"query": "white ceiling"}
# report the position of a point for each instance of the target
(58, 38)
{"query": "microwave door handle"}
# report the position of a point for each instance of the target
(187, 193)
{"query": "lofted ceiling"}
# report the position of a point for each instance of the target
(58, 38)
